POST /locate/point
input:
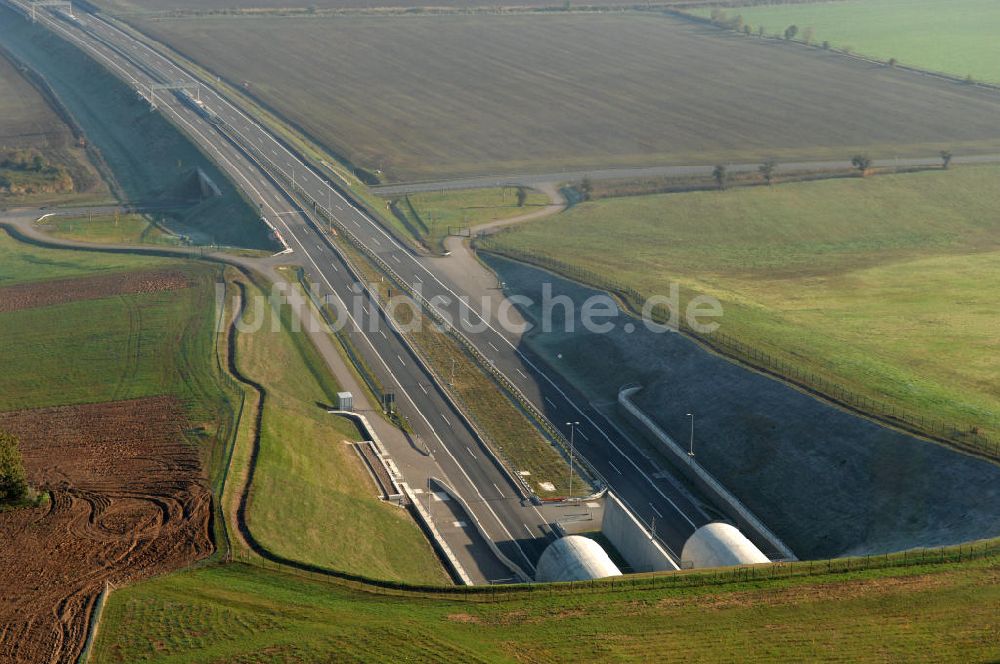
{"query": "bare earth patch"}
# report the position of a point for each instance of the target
(60, 291)
(128, 501)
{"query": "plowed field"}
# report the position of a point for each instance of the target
(47, 293)
(128, 501)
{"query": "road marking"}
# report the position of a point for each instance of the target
(498, 489)
(417, 279)
(422, 388)
(400, 360)
(472, 454)
(395, 258)
(355, 222)
(384, 337)
(335, 268)
(375, 240)
(319, 247)
(653, 507)
(615, 467)
(583, 435)
(493, 347)
(520, 373)
(551, 402)
(530, 534)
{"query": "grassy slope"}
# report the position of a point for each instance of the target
(541, 92)
(312, 499)
(237, 613)
(440, 211)
(27, 121)
(885, 284)
(152, 162)
(958, 37)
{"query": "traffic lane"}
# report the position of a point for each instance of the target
(263, 137)
(487, 483)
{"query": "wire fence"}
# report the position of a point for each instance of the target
(966, 437)
(964, 553)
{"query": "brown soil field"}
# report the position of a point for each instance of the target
(128, 501)
(60, 291)
(432, 97)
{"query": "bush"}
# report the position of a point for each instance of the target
(13, 481)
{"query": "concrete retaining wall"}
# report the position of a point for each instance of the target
(635, 544)
(744, 519)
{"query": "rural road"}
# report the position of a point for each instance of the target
(539, 179)
(243, 148)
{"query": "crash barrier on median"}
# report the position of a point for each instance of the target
(590, 476)
(730, 504)
(632, 540)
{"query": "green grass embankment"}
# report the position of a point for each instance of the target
(883, 286)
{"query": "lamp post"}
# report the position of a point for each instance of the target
(691, 443)
(572, 439)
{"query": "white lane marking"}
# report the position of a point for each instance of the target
(583, 435)
(335, 268)
(520, 373)
(551, 402)
(615, 467)
(493, 347)
(422, 388)
(400, 359)
(530, 534)
(382, 332)
(250, 123)
(395, 258)
(375, 240)
(355, 222)
(445, 419)
(653, 507)
(498, 489)
(471, 453)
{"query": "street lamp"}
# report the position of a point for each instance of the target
(572, 439)
(691, 444)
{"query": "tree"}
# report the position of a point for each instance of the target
(747, 30)
(826, 46)
(761, 30)
(767, 170)
(892, 62)
(739, 23)
(791, 31)
(13, 481)
(721, 175)
(522, 196)
(807, 35)
(862, 162)
(586, 188)
(946, 159)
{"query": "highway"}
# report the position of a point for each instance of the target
(519, 528)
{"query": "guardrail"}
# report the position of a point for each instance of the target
(592, 476)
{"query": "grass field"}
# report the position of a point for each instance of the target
(378, 6)
(883, 285)
(238, 613)
(312, 499)
(957, 37)
(543, 92)
(125, 229)
(429, 217)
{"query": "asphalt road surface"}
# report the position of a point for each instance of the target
(519, 528)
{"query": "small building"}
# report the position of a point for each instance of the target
(345, 401)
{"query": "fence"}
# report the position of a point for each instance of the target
(966, 437)
(664, 580)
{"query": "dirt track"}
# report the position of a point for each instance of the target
(59, 291)
(128, 502)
